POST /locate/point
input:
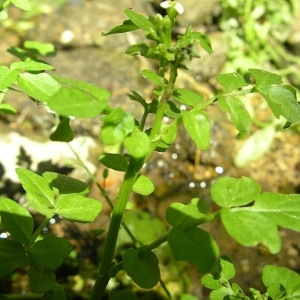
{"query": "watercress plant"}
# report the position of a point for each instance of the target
(249, 215)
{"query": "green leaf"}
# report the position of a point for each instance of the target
(211, 281)
(227, 267)
(232, 81)
(127, 26)
(264, 78)
(194, 245)
(114, 161)
(37, 186)
(188, 97)
(282, 276)
(282, 102)
(76, 208)
(2, 297)
(7, 109)
(63, 132)
(116, 126)
(155, 78)
(57, 293)
(172, 110)
(16, 220)
(143, 185)
(66, 184)
(137, 97)
(180, 215)
(188, 297)
(40, 86)
(49, 252)
(142, 266)
(282, 209)
(138, 144)
(135, 49)
(198, 126)
(229, 192)
(7, 77)
(203, 40)
(250, 228)
(222, 293)
(139, 20)
(238, 113)
(222, 272)
(258, 144)
(41, 280)
(30, 66)
(69, 101)
(38, 206)
(45, 49)
(12, 256)
(168, 133)
(23, 4)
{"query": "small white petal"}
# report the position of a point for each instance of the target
(179, 8)
(165, 4)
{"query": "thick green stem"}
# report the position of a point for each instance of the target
(112, 234)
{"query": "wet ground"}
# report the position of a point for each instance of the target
(179, 174)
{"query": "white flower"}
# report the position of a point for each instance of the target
(176, 5)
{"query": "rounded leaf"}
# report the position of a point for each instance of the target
(137, 144)
(49, 252)
(142, 266)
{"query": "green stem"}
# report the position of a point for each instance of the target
(112, 234)
(38, 231)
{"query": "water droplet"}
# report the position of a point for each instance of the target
(203, 184)
(174, 155)
(219, 170)
(52, 221)
(192, 185)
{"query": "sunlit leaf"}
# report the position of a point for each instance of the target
(78, 103)
(282, 102)
(127, 26)
(7, 77)
(139, 20)
(250, 228)
(39, 86)
(276, 278)
(143, 185)
(198, 126)
(36, 186)
(180, 215)
(154, 77)
(230, 192)
(188, 97)
(137, 144)
(76, 208)
(23, 4)
(116, 126)
(282, 209)
(238, 113)
(264, 78)
(232, 81)
(30, 66)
